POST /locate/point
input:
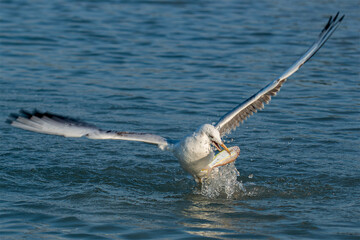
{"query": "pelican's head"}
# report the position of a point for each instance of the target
(214, 136)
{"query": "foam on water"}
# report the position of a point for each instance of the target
(222, 182)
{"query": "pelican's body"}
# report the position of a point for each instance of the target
(194, 152)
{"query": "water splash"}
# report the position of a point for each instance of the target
(222, 182)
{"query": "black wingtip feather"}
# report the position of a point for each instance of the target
(328, 23)
(342, 18)
(37, 113)
(25, 113)
(40, 114)
(13, 116)
(332, 20)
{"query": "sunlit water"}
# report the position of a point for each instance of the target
(166, 67)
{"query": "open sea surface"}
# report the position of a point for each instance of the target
(166, 67)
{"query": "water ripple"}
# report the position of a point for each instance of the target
(167, 67)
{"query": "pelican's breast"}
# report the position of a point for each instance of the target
(194, 153)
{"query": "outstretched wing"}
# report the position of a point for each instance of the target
(232, 119)
(53, 124)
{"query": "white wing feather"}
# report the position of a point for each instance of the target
(53, 124)
(232, 119)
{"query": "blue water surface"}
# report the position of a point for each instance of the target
(166, 67)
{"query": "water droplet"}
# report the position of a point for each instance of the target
(222, 182)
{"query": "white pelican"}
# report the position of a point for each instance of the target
(194, 152)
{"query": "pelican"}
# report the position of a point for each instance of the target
(195, 152)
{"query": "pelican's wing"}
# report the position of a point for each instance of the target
(53, 124)
(232, 119)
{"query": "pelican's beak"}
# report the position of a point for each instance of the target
(223, 145)
(217, 146)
